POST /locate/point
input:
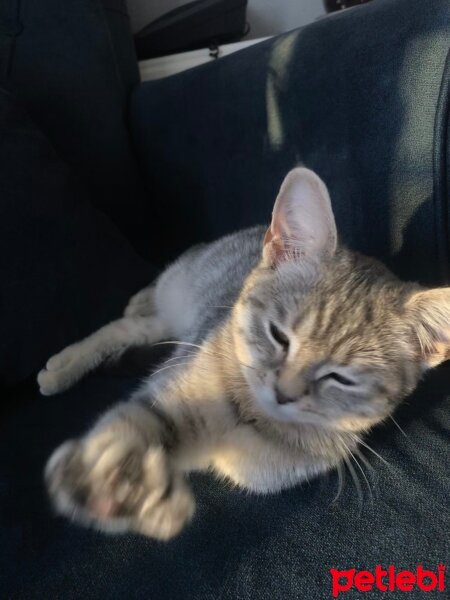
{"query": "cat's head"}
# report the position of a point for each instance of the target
(326, 336)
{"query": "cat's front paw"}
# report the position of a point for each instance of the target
(117, 484)
(63, 370)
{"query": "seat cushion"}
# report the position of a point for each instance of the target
(65, 268)
(361, 97)
(239, 546)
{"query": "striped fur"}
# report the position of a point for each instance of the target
(287, 348)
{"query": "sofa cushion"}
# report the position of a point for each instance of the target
(360, 96)
(65, 269)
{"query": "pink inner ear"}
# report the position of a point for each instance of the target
(268, 237)
(274, 249)
(302, 219)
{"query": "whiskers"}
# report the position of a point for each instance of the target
(185, 358)
(359, 468)
(166, 366)
(207, 351)
(354, 476)
(398, 426)
(341, 482)
(354, 456)
(181, 360)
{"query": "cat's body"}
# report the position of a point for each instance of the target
(196, 293)
(281, 362)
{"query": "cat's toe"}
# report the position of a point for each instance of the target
(71, 490)
(169, 504)
(47, 383)
(165, 518)
(62, 476)
(112, 483)
(53, 382)
(97, 481)
(63, 370)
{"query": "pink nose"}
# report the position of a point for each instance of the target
(281, 398)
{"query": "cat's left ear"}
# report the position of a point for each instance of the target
(303, 224)
(429, 312)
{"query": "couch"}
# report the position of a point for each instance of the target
(104, 179)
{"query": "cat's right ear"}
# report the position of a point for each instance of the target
(303, 225)
(429, 313)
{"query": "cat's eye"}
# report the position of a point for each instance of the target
(280, 337)
(333, 375)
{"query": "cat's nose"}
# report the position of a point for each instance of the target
(282, 398)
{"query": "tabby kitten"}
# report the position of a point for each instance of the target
(290, 347)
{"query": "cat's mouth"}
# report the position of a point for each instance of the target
(300, 412)
(266, 400)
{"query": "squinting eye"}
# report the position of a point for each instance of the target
(337, 377)
(280, 337)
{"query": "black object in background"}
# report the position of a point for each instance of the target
(198, 24)
(334, 5)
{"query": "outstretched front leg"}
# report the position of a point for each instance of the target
(127, 473)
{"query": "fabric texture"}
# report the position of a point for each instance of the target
(73, 65)
(65, 269)
(239, 546)
(362, 97)
(354, 96)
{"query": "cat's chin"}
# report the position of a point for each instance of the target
(356, 424)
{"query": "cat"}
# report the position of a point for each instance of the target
(288, 348)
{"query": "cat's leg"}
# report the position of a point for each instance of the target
(121, 475)
(262, 465)
(71, 364)
(128, 472)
